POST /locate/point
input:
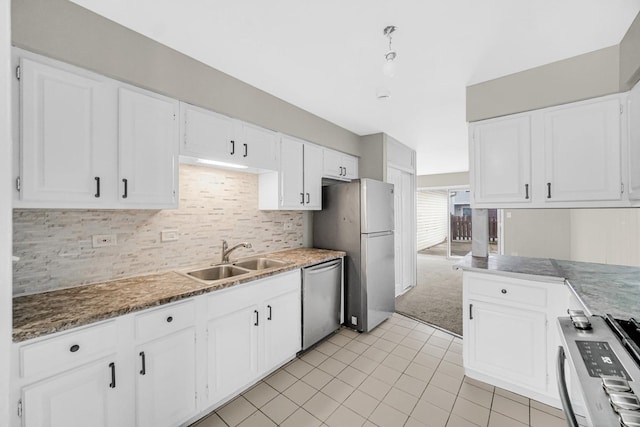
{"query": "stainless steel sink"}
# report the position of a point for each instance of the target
(260, 263)
(218, 272)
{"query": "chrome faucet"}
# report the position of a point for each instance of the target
(226, 250)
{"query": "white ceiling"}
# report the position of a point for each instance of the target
(326, 56)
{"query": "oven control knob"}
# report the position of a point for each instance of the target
(624, 401)
(581, 322)
(629, 418)
(613, 384)
(573, 313)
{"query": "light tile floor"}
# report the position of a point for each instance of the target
(403, 373)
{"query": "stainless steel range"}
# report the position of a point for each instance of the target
(604, 352)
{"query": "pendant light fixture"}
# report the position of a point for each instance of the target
(389, 67)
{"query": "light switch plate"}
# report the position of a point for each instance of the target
(168, 235)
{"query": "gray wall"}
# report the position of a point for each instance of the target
(443, 180)
(65, 31)
(630, 56)
(373, 161)
(581, 77)
(539, 233)
(602, 72)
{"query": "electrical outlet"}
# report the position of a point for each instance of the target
(103, 240)
(169, 235)
(288, 226)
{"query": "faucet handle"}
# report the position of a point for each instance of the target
(225, 245)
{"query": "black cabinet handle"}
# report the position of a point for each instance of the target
(97, 178)
(74, 348)
(233, 147)
(504, 291)
(345, 171)
(257, 315)
(269, 317)
(302, 198)
(548, 190)
(526, 191)
(308, 198)
(246, 150)
(126, 188)
(143, 371)
(470, 311)
(113, 375)
(169, 319)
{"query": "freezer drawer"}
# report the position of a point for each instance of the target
(321, 300)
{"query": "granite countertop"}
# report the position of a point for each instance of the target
(601, 288)
(49, 312)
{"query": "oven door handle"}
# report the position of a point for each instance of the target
(562, 388)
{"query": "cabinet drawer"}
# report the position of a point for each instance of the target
(164, 320)
(65, 351)
(507, 290)
(229, 300)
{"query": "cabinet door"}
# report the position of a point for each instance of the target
(350, 165)
(332, 164)
(77, 398)
(257, 147)
(67, 147)
(291, 173)
(582, 152)
(501, 151)
(148, 148)
(312, 177)
(282, 332)
(633, 107)
(232, 351)
(166, 380)
(206, 135)
(506, 342)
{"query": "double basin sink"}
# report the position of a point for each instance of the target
(238, 268)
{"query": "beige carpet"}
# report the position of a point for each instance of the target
(437, 298)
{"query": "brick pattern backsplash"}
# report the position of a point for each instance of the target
(55, 246)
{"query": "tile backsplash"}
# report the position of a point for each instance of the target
(55, 245)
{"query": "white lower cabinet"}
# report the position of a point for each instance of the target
(85, 396)
(252, 330)
(510, 332)
(163, 366)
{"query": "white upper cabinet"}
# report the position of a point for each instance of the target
(567, 156)
(298, 183)
(257, 147)
(84, 138)
(206, 134)
(582, 151)
(212, 136)
(633, 108)
(66, 140)
(338, 165)
(501, 157)
(148, 150)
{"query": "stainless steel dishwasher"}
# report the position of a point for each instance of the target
(321, 301)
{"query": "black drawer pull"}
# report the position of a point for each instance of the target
(74, 348)
(143, 371)
(126, 188)
(169, 319)
(97, 178)
(504, 291)
(526, 190)
(113, 375)
(257, 317)
(548, 190)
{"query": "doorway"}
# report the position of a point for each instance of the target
(460, 230)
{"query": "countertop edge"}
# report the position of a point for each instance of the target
(25, 332)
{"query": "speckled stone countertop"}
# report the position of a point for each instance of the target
(602, 288)
(49, 312)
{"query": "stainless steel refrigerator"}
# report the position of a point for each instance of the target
(357, 217)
